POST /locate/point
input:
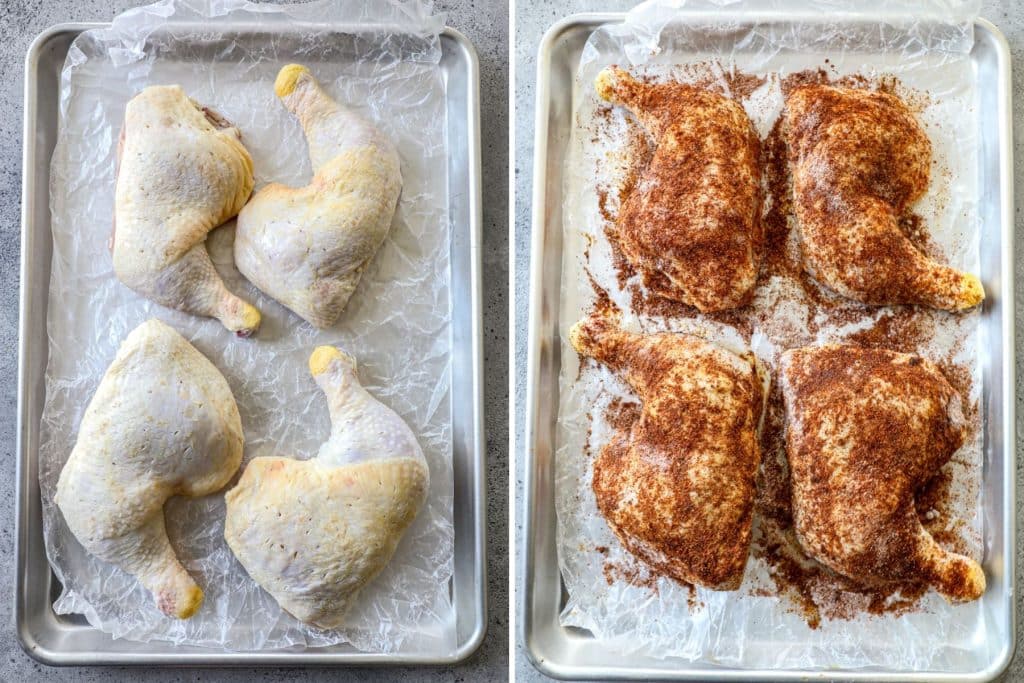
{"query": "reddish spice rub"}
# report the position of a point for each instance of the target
(772, 501)
(676, 485)
(631, 574)
(859, 160)
(929, 499)
(815, 591)
(913, 228)
(782, 254)
(778, 204)
(691, 225)
(621, 415)
(866, 428)
(818, 593)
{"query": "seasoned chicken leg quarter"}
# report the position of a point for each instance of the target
(314, 532)
(866, 429)
(678, 487)
(182, 171)
(307, 247)
(859, 161)
(163, 422)
(692, 223)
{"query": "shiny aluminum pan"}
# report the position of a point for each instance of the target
(572, 653)
(68, 639)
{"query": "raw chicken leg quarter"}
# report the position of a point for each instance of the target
(163, 422)
(307, 247)
(860, 160)
(314, 532)
(867, 429)
(691, 225)
(677, 487)
(182, 171)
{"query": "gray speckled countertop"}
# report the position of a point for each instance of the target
(532, 20)
(485, 23)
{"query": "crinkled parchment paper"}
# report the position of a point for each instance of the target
(380, 58)
(609, 592)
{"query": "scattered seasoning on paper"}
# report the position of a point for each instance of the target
(633, 574)
(622, 414)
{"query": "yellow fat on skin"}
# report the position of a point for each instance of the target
(287, 78)
(321, 359)
(191, 603)
(972, 292)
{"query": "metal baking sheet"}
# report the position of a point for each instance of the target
(572, 653)
(68, 639)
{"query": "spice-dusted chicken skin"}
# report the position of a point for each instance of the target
(692, 224)
(677, 488)
(859, 160)
(866, 429)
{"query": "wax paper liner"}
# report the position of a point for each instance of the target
(382, 58)
(926, 46)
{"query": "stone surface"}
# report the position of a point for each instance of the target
(485, 23)
(531, 21)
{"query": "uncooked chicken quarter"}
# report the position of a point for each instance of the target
(307, 247)
(677, 487)
(182, 171)
(859, 160)
(692, 223)
(162, 423)
(866, 429)
(314, 532)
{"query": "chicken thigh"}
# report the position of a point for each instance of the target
(866, 429)
(307, 247)
(678, 487)
(182, 171)
(314, 532)
(859, 160)
(163, 423)
(692, 224)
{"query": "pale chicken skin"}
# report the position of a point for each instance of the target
(866, 429)
(307, 247)
(692, 222)
(182, 171)
(313, 533)
(163, 423)
(859, 161)
(677, 488)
